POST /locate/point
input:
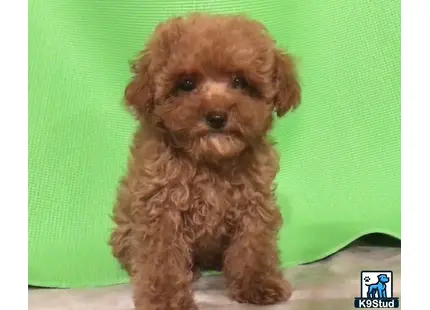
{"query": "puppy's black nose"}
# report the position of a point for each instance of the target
(216, 119)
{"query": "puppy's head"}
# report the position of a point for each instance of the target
(211, 84)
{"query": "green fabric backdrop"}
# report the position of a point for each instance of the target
(340, 151)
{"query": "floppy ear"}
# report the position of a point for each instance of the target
(139, 92)
(288, 92)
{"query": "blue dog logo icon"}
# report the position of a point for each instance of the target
(379, 288)
(376, 290)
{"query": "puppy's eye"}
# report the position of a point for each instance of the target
(187, 84)
(240, 82)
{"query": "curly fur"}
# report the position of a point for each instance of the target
(194, 199)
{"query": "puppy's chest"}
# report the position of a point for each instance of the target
(213, 206)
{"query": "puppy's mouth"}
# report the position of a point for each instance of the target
(221, 144)
(209, 132)
(210, 144)
(213, 134)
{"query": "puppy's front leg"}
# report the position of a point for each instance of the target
(251, 264)
(162, 276)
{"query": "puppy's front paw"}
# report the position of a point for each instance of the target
(264, 291)
(168, 306)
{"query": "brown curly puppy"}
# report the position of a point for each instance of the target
(199, 189)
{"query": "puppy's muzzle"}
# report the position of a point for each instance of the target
(216, 119)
